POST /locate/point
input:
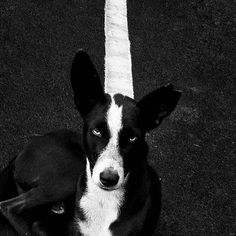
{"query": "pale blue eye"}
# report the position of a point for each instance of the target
(97, 132)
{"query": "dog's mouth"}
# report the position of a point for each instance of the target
(119, 185)
(107, 188)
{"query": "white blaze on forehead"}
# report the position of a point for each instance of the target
(110, 156)
(114, 120)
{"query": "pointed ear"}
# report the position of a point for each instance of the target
(85, 82)
(157, 105)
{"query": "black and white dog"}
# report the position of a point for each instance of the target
(117, 192)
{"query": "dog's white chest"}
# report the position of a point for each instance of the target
(100, 208)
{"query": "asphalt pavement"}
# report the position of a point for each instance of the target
(188, 43)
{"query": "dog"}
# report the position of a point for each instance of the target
(45, 175)
(103, 183)
(119, 193)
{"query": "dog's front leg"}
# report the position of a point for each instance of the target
(11, 209)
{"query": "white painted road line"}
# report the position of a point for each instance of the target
(118, 66)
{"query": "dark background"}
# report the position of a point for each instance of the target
(190, 43)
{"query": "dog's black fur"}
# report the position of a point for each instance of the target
(46, 172)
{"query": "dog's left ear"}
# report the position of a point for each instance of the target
(157, 105)
(86, 84)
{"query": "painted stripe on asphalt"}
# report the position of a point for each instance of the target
(118, 66)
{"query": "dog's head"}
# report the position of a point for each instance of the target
(115, 125)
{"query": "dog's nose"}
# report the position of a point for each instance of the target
(109, 177)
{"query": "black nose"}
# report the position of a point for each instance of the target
(109, 177)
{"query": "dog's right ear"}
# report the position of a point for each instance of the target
(86, 84)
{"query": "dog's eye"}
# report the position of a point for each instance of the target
(97, 132)
(132, 139)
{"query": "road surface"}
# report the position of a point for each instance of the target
(187, 43)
